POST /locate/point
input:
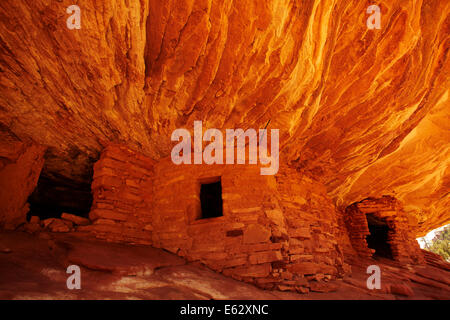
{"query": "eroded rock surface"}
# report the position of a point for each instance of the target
(364, 111)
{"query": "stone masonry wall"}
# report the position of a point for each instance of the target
(122, 197)
(240, 243)
(278, 232)
(316, 240)
(401, 239)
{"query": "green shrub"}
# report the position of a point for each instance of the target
(440, 243)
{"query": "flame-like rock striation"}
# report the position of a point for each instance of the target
(366, 112)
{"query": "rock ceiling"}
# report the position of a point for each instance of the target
(364, 111)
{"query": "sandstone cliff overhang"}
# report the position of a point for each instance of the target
(366, 112)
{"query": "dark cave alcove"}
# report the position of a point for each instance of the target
(378, 237)
(52, 197)
(64, 185)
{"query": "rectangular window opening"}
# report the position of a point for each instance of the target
(211, 199)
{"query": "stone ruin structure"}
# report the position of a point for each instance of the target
(86, 117)
(381, 224)
(275, 231)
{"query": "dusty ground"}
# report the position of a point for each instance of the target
(34, 267)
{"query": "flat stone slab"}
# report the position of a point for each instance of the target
(119, 259)
(213, 285)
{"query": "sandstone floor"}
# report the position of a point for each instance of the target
(34, 267)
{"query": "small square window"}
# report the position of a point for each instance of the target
(211, 199)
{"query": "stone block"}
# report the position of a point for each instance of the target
(234, 233)
(304, 268)
(58, 225)
(276, 216)
(255, 233)
(75, 219)
(233, 262)
(256, 271)
(35, 220)
(106, 182)
(108, 214)
(265, 256)
(300, 233)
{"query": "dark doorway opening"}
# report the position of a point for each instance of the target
(378, 237)
(56, 195)
(211, 199)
